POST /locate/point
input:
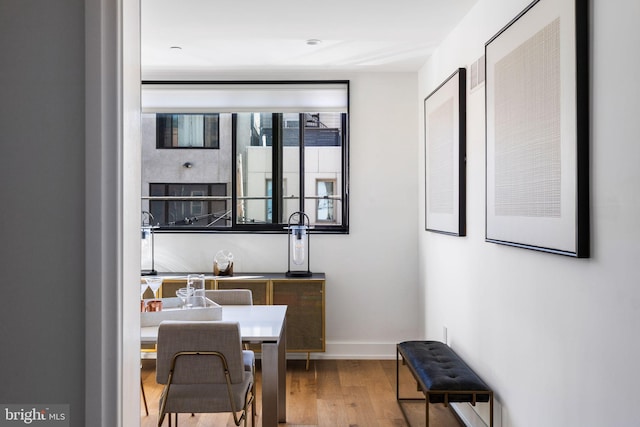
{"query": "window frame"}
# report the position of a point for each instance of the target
(277, 174)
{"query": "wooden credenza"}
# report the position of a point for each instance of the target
(303, 296)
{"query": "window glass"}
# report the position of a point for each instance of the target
(269, 201)
(265, 165)
(323, 166)
(253, 138)
(325, 211)
(187, 131)
(189, 205)
(290, 165)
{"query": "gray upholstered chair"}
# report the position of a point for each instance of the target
(230, 296)
(202, 365)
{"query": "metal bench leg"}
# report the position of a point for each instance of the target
(426, 406)
(397, 375)
(491, 410)
(400, 400)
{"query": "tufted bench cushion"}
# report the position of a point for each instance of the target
(441, 375)
(437, 367)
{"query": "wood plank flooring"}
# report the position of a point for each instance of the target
(332, 393)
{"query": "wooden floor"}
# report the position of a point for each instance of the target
(332, 393)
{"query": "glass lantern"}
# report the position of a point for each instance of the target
(298, 243)
(147, 243)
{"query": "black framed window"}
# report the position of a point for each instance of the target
(282, 167)
(268, 164)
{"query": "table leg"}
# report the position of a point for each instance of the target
(274, 382)
(282, 375)
(270, 382)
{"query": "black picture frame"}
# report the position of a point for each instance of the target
(445, 135)
(537, 130)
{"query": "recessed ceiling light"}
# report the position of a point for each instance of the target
(313, 42)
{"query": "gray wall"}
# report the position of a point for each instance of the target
(42, 256)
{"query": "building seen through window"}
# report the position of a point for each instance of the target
(187, 131)
(245, 171)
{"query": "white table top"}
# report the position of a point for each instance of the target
(259, 323)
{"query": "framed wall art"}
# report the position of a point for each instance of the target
(537, 131)
(445, 152)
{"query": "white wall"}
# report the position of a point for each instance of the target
(554, 336)
(371, 272)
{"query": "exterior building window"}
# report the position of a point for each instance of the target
(325, 210)
(269, 200)
(190, 205)
(187, 131)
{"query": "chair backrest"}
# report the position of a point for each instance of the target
(230, 296)
(177, 336)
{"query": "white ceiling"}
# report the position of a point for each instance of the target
(259, 35)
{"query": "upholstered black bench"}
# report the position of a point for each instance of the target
(441, 375)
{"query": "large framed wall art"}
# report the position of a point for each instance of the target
(445, 151)
(537, 131)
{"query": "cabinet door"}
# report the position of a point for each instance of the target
(258, 288)
(305, 312)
